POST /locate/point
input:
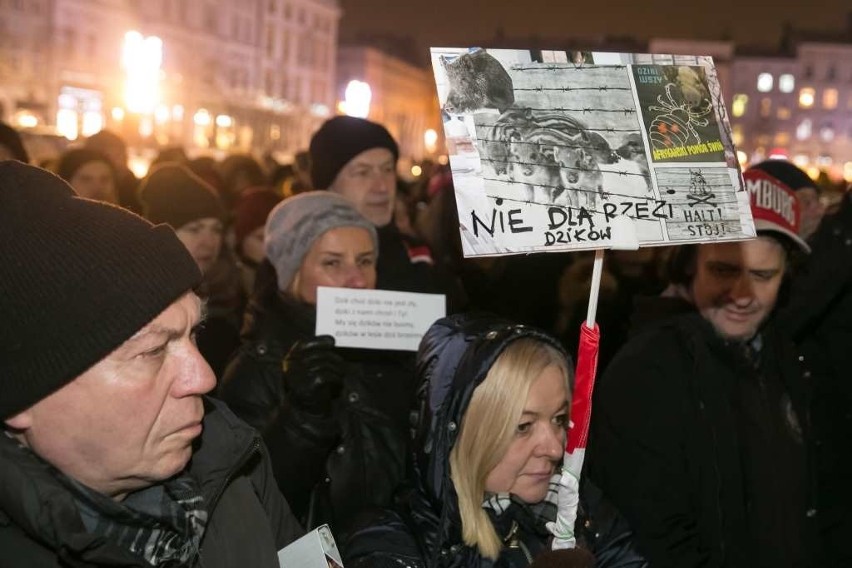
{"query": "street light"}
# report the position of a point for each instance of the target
(142, 58)
(430, 140)
(357, 99)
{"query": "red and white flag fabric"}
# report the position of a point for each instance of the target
(578, 434)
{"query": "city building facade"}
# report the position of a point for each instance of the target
(796, 105)
(211, 75)
(402, 97)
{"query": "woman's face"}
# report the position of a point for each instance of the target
(529, 463)
(203, 239)
(252, 246)
(344, 257)
(94, 180)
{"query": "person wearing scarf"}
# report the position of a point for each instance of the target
(490, 433)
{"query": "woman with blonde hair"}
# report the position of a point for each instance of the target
(490, 437)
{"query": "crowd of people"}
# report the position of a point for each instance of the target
(167, 401)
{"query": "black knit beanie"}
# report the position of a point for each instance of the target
(10, 138)
(339, 140)
(787, 173)
(79, 278)
(173, 194)
(72, 160)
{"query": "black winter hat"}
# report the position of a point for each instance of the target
(173, 194)
(72, 160)
(10, 138)
(339, 140)
(80, 277)
(787, 173)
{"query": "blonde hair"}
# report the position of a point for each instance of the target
(488, 428)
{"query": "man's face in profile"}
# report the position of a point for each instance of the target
(129, 421)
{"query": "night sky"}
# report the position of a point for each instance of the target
(462, 23)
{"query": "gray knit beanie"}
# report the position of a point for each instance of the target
(296, 222)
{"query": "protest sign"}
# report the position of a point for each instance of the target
(559, 151)
(377, 319)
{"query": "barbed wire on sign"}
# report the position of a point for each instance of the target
(564, 66)
(595, 191)
(574, 168)
(602, 88)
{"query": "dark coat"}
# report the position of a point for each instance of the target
(665, 446)
(425, 530)
(328, 467)
(249, 521)
(819, 318)
(406, 265)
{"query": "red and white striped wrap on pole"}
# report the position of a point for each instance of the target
(581, 416)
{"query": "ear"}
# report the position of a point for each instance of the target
(20, 422)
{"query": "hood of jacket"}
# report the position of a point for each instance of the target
(454, 358)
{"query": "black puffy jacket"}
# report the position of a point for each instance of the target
(249, 521)
(666, 443)
(819, 318)
(454, 358)
(328, 467)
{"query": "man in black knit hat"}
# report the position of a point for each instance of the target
(111, 453)
(357, 159)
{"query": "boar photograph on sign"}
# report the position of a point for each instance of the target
(558, 151)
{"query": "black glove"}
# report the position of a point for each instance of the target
(313, 375)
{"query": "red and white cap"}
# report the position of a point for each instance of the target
(774, 206)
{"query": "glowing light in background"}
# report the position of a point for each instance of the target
(416, 170)
(93, 121)
(806, 97)
(357, 99)
(66, 123)
(161, 114)
(430, 140)
(141, 58)
(26, 119)
(201, 117)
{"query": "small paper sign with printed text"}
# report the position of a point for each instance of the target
(377, 319)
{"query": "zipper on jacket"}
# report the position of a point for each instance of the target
(253, 448)
(515, 543)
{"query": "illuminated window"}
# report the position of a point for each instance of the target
(783, 113)
(765, 107)
(782, 138)
(826, 132)
(829, 99)
(786, 83)
(738, 108)
(807, 97)
(801, 160)
(824, 160)
(764, 82)
(737, 134)
(803, 131)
